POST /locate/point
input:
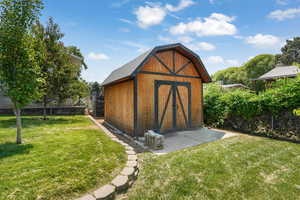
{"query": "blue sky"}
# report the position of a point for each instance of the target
(223, 33)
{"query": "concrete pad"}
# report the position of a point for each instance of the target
(183, 139)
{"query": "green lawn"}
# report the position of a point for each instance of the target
(60, 159)
(241, 167)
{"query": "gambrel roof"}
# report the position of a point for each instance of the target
(129, 70)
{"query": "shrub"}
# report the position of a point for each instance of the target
(214, 108)
(241, 103)
(219, 105)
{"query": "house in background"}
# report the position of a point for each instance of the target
(160, 90)
(280, 72)
(4, 101)
(234, 86)
(36, 108)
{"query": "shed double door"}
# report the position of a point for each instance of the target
(172, 106)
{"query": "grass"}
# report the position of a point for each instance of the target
(240, 167)
(61, 158)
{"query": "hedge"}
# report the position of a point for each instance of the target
(219, 105)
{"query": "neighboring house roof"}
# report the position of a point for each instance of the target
(4, 101)
(129, 70)
(280, 72)
(238, 85)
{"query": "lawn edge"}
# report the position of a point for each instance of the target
(123, 180)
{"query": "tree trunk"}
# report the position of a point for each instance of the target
(19, 125)
(45, 107)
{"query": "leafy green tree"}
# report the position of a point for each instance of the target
(19, 69)
(61, 66)
(231, 75)
(73, 50)
(259, 65)
(79, 90)
(252, 69)
(256, 67)
(95, 89)
(290, 52)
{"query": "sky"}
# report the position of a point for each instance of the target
(223, 33)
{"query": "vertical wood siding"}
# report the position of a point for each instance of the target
(119, 105)
(145, 91)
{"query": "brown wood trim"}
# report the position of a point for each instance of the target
(165, 108)
(183, 66)
(165, 74)
(135, 106)
(182, 108)
(161, 62)
(174, 61)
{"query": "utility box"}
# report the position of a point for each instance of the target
(154, 140)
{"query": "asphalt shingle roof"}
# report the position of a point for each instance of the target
(129, 68)
(280, 72)
(233, 85)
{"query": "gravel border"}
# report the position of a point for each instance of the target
(123, 180)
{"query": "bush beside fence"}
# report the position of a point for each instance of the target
(268, 113)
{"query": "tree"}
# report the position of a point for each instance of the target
(96, 89)
(79, 90)
(256, 67)
(259, 65)
(252, 69)
(290, 52)
(231, 75)
(19, 69)
(76, 52)
(61, 66)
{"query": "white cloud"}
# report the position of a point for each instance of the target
(281, 15)
(165, 39)
(264, 41)
(126, 21)
(182, 5)
(154, 13)
(213, 60)
(185, 39)
(150, 15)
(204, 46)
(232, 62)
(215, 24)
(97, 56)
(140, 47)
(211, 1)
(282, 2)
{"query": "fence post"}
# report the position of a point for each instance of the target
(272, 122)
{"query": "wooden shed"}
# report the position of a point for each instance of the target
(160, 90)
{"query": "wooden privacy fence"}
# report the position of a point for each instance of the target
(98, 106)
(35, 111)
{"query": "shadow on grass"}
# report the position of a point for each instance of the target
(28, 122)
(10, 149)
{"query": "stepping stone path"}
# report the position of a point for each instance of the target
(121, 182)
(105, 192)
